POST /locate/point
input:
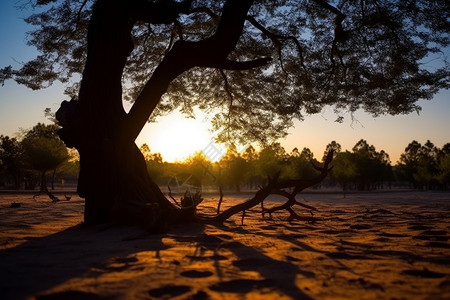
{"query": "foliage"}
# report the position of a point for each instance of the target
(364, 166)
(345, 170)
(444, 167)
(153, 161)
(234, 168)
(347, 54)
(425, 166)
(43, 149)
(11, 161)
(301, 164)
(271, 160)
(40, 150)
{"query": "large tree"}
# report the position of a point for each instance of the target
(254, 65)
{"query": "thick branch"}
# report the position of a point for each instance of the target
(275, 38)
(185, 55)
(257, 199)
(77, 22)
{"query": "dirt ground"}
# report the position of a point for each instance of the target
(366, 246)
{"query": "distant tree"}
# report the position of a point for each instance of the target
(271, 160)
(427, 170)
(345, 170)
(68, 170)
(301, 164)
(251, 157)
(409, 161)
(234, 168)
(294, 153)
(372, 167)
(11, 161)
(257, 64)
(364, 167)
(154, 162)
(444, 170)
(197, 167)
(333, 145)
(444, 165)
(419, 165)
(445, 149)
(44, 151)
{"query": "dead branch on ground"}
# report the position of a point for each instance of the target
(280, 187)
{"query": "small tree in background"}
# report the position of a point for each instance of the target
(154, 162)
(44, 152)
(424, 166)
(372, 167)
(11, 161)
(234, 168)
(344, 170)
(301, 164)
(444, 167)
(364, 167)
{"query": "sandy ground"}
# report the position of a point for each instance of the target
(366, 246)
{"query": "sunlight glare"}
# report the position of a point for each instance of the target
(175, 136)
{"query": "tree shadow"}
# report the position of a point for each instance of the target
(39, 265)
(42, 263)
(276, 274)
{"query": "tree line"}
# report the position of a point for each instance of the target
(363, 168)
(39, 157)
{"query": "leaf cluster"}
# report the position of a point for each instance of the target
(425, 166)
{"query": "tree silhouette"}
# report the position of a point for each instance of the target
(233, 168)
(345, 170)
(371, 166)
(11, 160)
(256, 65)
(364, 166)
(424, 166)
(44, 151)
(301, 164)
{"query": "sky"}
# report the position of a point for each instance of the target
(175, 136)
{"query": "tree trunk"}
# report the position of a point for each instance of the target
(53, 179)
(113, 176)
(43, 185)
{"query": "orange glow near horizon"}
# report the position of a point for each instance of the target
(176, 137)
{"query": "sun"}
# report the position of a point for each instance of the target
(176, 137)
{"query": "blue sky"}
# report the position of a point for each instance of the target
(22, 108)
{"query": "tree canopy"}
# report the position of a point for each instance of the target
(290, 58)
(44, 151)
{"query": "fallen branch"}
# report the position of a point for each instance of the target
(274, 186)
(48, 193)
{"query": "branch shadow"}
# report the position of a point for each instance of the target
(276, 274)
(39, 265)
(42, 263)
